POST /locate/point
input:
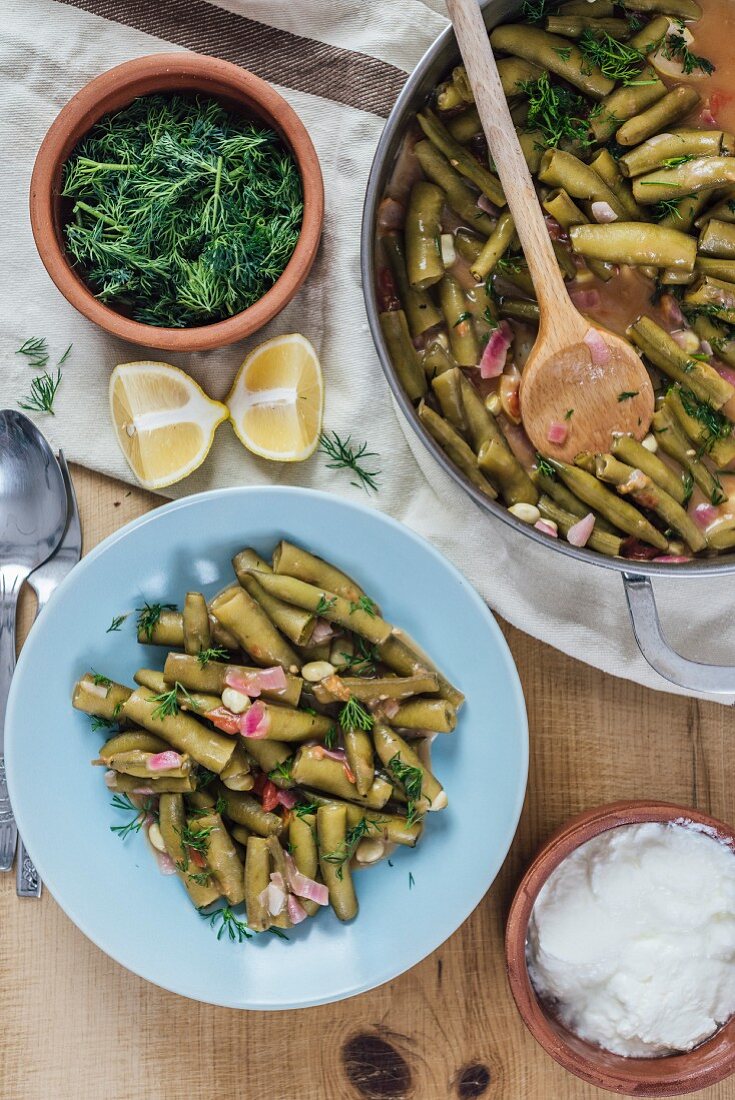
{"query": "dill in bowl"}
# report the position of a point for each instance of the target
(181, 212)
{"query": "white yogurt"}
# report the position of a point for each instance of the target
(632, 939)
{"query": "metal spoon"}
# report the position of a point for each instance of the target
(573, 369)
(33, 510)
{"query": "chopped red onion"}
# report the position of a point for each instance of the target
(557, 432)
(579, 533)
(296, 911)
(599, 350)
(706, 117)
(164, 761)
(585, 298)
(490, 208)
(547, 528)
(725, 372)
(671, 310)
(496, 351)
(322, 632)
(334, 754)
(302, 885)
(390, 214)
(705, 514)
(255, 722)
(273, 897)
(165, 864)
(706, 347)
(253, 683)
(143, 790)
(603, 212)
(287, 799)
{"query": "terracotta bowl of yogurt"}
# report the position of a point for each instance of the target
(668, 1075)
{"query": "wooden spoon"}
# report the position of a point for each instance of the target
(590, 389)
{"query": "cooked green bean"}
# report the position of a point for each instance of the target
(448, 392)
(574, 26)
(496, 246)
(423, 230)
(554, 54)
(437, 715)
(287, 724)
(720, 338)
(600, 9)
(313, 769)
(359, 750)
(210, 677)
(621, 514)
(186, 700)
(202, 889)
(244, 808)
(655, 152)
(297, 625)
(331, 824)
(133, 739)
(403, 657)
(629, 450)
(197, 632)
(394, 828)
(566, 499)
(100, 697)
(137, 762)
(421, 313)
(359, 615)
(664, 352)
(456, 448)
(376, 689)
(650, 36)
(460, 325)
(236, 774)
(566, 212)
(183, 733)
(520, 310)
(645, 492)
(514, 72)
(626, 102)
(133, 784)
(680, 9)
(221, 855)
(672, 107)
(303, 847)
(436, 360)
(635, 243)
(721, 534)
(403, 762)
(682, 212)
(711, 432)
(460, 158)
(465, 126)
(402, 352)
(673, 442)
(257, 878)
(461, 198)
(505, 471)
(297, 562)
(717, 238)
(241, 614)
(608, 169)
(715, 296)
(271, 757)
(716, 269)
(701, 174)
(481, 424)
(561, 169)
(723, 209)
(601, 541)
(168, 630)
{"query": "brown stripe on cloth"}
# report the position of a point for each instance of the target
(279, 56)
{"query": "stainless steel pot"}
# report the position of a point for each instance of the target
(636, 576)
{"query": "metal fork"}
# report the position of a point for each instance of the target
(44, 581)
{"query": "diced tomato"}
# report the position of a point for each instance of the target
(259, 783)
(269, 799)
(196, 857)
(348, 772)
(719, 99)
(224, 720)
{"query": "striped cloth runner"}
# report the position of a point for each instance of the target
(341, 64)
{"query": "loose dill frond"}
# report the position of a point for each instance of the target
(616, 60)
(688, 489)
(42, 393)
(675, 48)
(544, 467)
(214, 653)
(411, 779)
(116, 623)
(668, 208)
(557, 112)
(363, 661)
(182, 213)
(330, 737)
(347, 849)
(535, 11)
(123, 802)
(36, 352)
(411, 880)
(715, 425)
(354, 716)
(202, 878)
(225, 922)
(346, 456)
(97, 723)
(305, 809)
(169, 702)
(204, 777)
(364, 604)
(626, 395)
(101, 681)
(324, 604)
(282, 771)
(149, 614)
(675, 162)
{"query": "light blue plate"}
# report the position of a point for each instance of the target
(112, 889)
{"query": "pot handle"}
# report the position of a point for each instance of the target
(690, 675)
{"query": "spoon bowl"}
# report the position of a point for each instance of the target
(33, 511)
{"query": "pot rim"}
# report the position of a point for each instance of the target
(170, 72)
(679, 1072)
(406, 104)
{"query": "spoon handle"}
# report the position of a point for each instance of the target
(510, 163)
(10, 581)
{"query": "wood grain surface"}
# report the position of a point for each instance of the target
(76, 1026)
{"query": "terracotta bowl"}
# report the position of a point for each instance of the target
(238, 90)
(673, 1075)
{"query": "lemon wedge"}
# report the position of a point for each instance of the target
(276, 400)
(164, 421)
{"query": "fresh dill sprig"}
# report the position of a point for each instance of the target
(181, 212)
(411, 779)
(364, 604)
(305, 809)
(668, 208)
(462, 317)
(116, 623)
(688, 489)
(411, 880)
(544, 466)
(42, 393)
(324, 604)
(714, 424)
(363, 661)
(347, 849)
(676, 162)
(616, 60)
(202, 878)
(123, 802)
(626, 395)
(36, 351)
(330, 737)
(354, 716)
(99, 680)
(225, 922)
(345, 455)
(204, 777)
(282, 771)
(149, 614)
(169, 702)
(675, 48)
(558, 113)
(535, 11)
(278, 933)
(98, 723)
(214, 653)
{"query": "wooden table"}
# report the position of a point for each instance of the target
(76, 1026)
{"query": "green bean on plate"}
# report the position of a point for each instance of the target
(265, 770)
(628, 133)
